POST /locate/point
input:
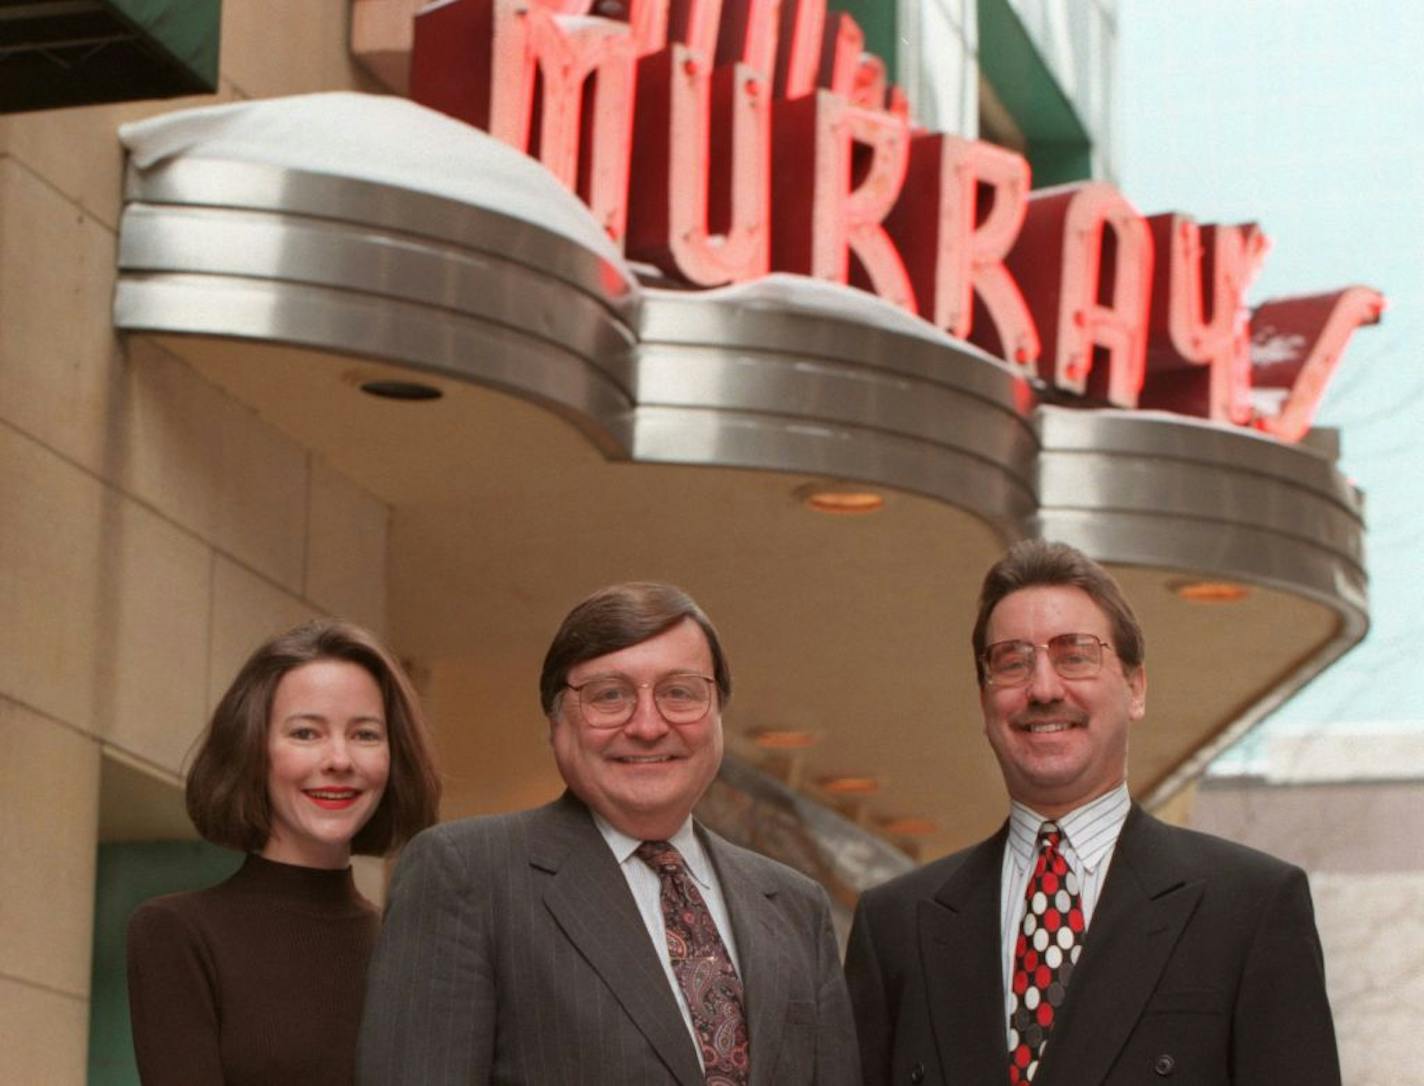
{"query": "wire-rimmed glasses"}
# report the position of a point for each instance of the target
(1073, 656)
(610, 701)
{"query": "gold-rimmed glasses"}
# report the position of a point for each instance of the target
(610, 701)
(1073, 656)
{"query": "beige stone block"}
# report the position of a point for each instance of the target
(50, 543)
(59, 370)
(77, 150)
(275, 47)
(247, 610)
(152, 645)
(213, 465)
(382, 32)
(140, 803)
(49, 815)
(346, 549)
(103, 605)
(44, 1036)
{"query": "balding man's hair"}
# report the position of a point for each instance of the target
(618, 617)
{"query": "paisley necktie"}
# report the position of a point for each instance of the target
(703, 968)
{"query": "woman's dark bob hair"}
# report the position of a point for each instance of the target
(226, 792)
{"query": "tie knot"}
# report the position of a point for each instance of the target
(1049, 835)
(660, 856)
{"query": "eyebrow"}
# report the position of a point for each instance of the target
(624, 675)
(319, 718)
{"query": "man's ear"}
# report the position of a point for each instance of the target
(1137, 689)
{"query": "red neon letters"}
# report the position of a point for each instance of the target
(1080, 244)
(1200, 357)
(722, 139)
(1296, 344)
(958, 216)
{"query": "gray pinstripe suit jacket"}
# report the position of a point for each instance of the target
(513, 953)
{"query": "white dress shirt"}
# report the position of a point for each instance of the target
(647, 892)
(1089, 837)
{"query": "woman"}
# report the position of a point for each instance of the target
(316, 751)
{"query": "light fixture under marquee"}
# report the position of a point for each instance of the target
(909, 826)
(842, 501)
(849, 786)
(784, 738)
(1211, 591)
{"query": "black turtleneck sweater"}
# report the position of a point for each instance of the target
(259, 979)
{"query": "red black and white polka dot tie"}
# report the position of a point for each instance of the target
(1050, 940)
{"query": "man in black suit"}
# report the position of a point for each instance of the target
(607, 938)
(1085, 942)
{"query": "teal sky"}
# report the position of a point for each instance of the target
(1307, 116)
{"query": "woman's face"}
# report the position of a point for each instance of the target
(328, 759)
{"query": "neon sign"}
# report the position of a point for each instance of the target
(723, 139)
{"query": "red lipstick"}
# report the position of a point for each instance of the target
(332, 799)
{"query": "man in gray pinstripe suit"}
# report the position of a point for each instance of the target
(540, 947)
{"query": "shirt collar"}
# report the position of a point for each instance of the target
(1089, 832)
(685, 840)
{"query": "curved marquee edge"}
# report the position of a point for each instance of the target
(265, 247)
(1203, 499)
(704, 381)
(198, 182)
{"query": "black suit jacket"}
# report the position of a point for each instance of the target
(513, 952)
(1201, 966)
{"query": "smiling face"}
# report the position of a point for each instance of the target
(1060, 742)
(328, 759)
(645, 776)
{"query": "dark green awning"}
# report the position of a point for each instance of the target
(81, 52)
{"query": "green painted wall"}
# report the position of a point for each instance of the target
(145, 49)
(1059, 148)
(128, 875)
(876, 18)
(189, 32)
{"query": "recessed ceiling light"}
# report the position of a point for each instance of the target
(840, 501)
(849, 786)
(412, 391)
(1211, 591)
(784, 738)
(909, 826)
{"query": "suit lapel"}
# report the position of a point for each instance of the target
(590, 901)
(1145, 906)
(760, 932)
(959, 951)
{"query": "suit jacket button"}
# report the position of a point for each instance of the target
(1164, 1065)
(917, 1073)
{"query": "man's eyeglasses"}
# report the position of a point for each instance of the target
(610, 702)
(1073, 656)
